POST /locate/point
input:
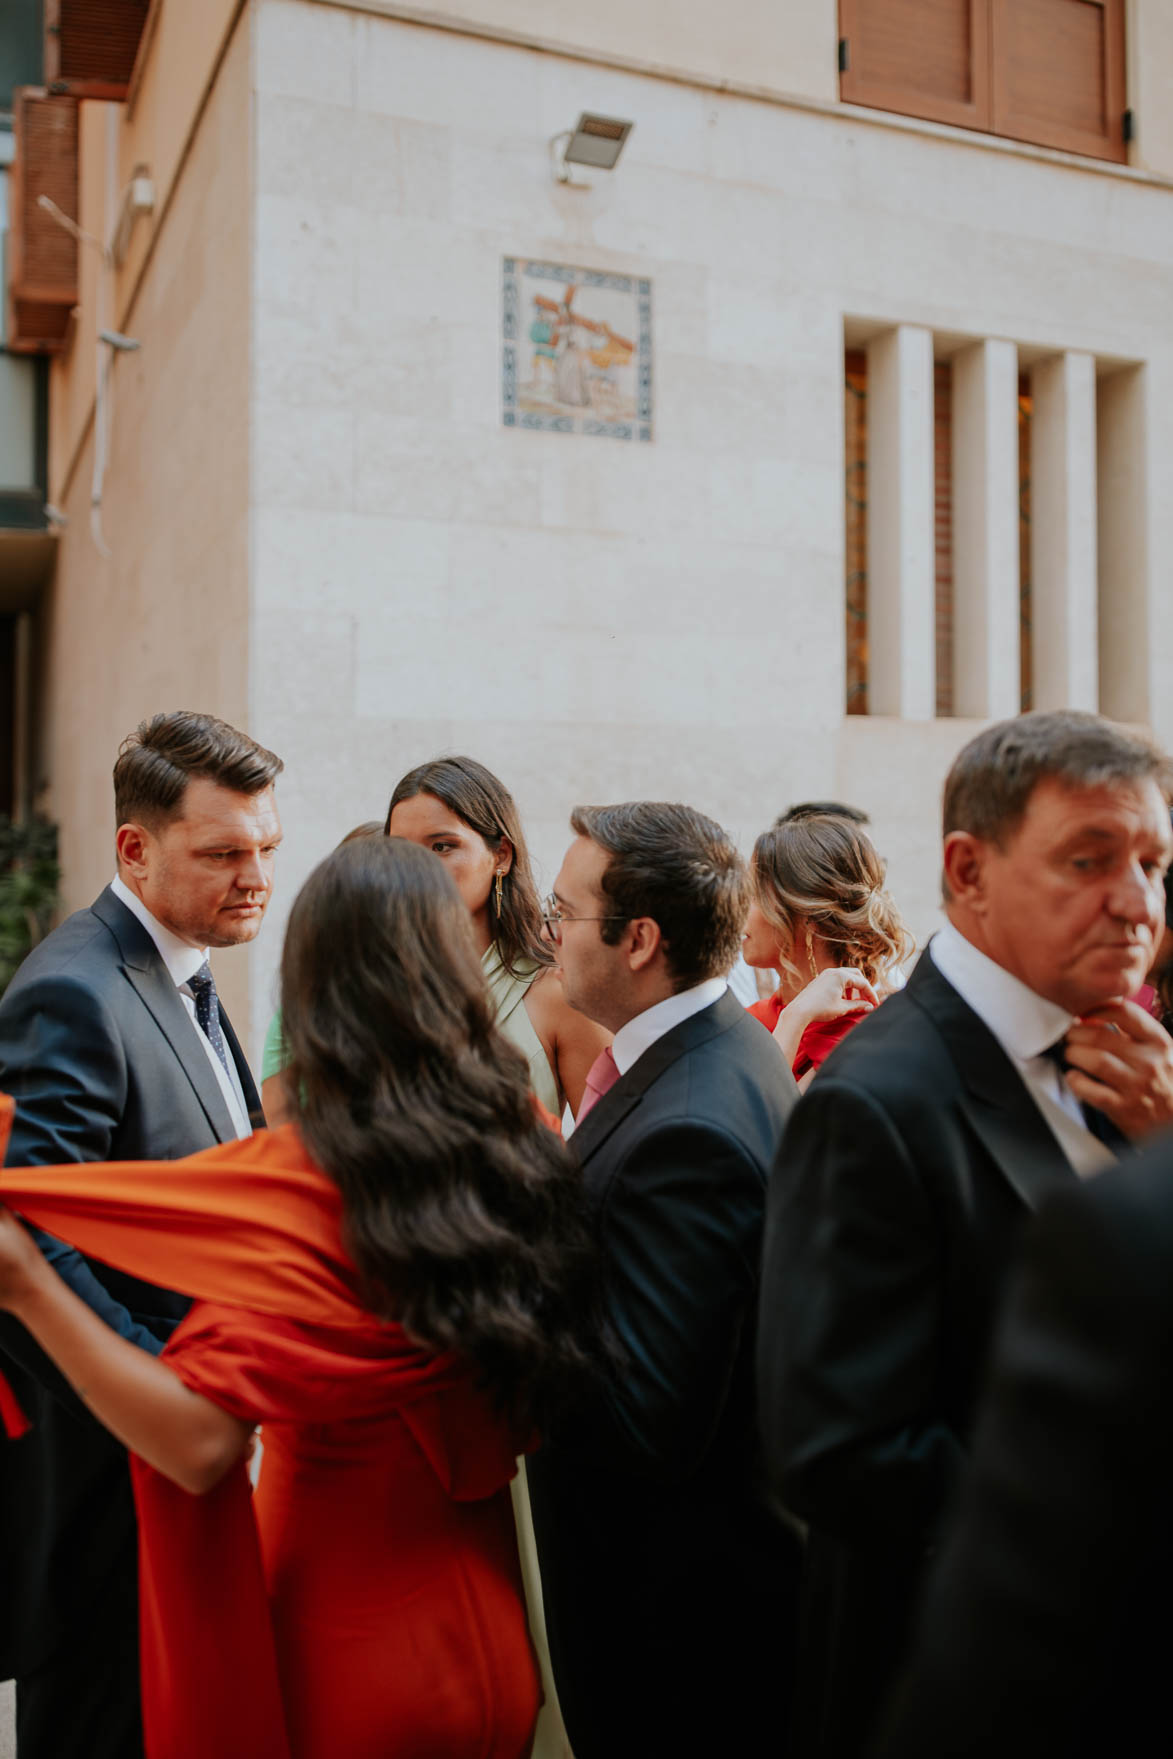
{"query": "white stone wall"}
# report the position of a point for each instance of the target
(594, 619)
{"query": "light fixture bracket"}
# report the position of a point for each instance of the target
(596, 141)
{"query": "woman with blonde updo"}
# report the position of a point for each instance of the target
(822, 919)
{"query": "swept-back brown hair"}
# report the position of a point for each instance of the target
(994, 776)
(487, 807)
(462, 1210)
(827, 870)
(162, 755)
(675, 865)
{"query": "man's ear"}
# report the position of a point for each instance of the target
(644, 941)
(965, 859)
(131, 844)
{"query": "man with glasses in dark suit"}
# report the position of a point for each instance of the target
(669, 1588)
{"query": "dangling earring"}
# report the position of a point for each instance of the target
(499, 888)
(810, 950)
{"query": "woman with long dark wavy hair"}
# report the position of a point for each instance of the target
(397, 1286)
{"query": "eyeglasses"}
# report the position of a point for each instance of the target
(554, 916)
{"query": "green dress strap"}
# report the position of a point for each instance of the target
(275, 1055)
(507, 992)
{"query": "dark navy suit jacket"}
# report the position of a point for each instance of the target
(104, 1063)
(670, 1588)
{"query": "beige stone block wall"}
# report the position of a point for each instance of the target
(786, 45)
(598, 620)
(162, 621)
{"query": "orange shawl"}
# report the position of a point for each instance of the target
(254, 1227)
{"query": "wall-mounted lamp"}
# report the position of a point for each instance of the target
(595, 140)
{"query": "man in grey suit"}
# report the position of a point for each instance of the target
(114, 1046)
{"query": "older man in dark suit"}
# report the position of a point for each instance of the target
(670, 1590)
(927, 1140)
(114, 1046)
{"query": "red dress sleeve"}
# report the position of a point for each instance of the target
(820, 1039)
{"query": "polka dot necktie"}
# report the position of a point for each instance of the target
(207, 1007)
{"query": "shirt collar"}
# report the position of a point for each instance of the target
(641, 1033)
(181, 960)
(1024, 1023)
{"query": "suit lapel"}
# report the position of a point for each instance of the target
(995, 1100)
(151, 981)
(619, 1101)
(252, 1099)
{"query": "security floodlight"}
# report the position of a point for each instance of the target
(595, 140)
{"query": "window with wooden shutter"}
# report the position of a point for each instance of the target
(922, 57)
(1046, 71)
(91, 45)
(1058, 76)
(42, 254)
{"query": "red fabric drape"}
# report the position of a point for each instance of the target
(252, 1231)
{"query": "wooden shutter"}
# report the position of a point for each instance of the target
(91, 45)
(1058, 74)
(42, 255)
(925, 58)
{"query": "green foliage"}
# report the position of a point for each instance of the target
(29, 877)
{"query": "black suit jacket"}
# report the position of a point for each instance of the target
(103, 1060)
(904, 1177)
(669, 1587)
(1048, 1627)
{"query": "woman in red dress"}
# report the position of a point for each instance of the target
(393, 1286)
(823, 921)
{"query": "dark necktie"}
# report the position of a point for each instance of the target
(1097, 1122)
(207, 1007)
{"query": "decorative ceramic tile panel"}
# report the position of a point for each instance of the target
(576, 350)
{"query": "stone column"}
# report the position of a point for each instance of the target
(1063, 533)
(1125, 640)
(901, 572)
(985, 531)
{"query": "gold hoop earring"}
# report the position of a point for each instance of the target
(499, 888)
(810, 950)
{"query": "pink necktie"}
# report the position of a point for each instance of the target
(602, 1076)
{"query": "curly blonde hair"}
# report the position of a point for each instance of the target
(826, 869)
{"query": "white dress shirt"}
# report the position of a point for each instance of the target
(641, 1033)
(1025, 1025)
(182, 962)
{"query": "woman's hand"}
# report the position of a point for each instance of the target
(839, 990)
(835, 992)
(21, 1263)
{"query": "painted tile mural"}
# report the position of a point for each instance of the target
(576, 350)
